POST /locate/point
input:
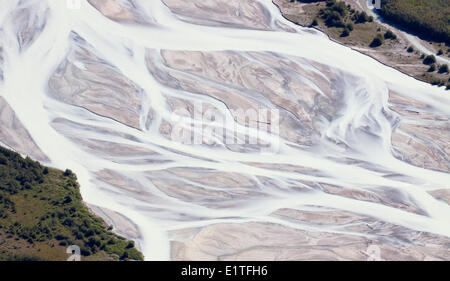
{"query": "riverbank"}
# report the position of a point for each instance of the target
(353, 25)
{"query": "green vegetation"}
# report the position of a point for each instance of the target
(334, 13)
(361, 17)
(390, 35)
(430, 59)
(432, 68)
(443, 68)
(438, 82)
(339, 15)
(377, 41)
(428, 18)
(345, 32)
(41, 213)
(351, 26)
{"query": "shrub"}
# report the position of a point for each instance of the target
(340, 7)
(314, 22)
(410, 49)
(331, 3)
(432, 68)
(124, 256)
(27, 186)
(345, 32)
(438, 82)
(67, 199)
(377, 41)
(130, 245)
(332, 19)
(390, 35)
(85, 251)
(429, 59)
(3, 160)
(88, 233)
(361, 17)
(334, 13)
(60, 237)
(443, 68)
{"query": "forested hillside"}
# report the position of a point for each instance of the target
(428, 18)
(42, 213)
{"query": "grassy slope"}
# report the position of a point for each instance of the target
(428, 18)
(41, 213)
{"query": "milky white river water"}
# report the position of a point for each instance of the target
(362, 125)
